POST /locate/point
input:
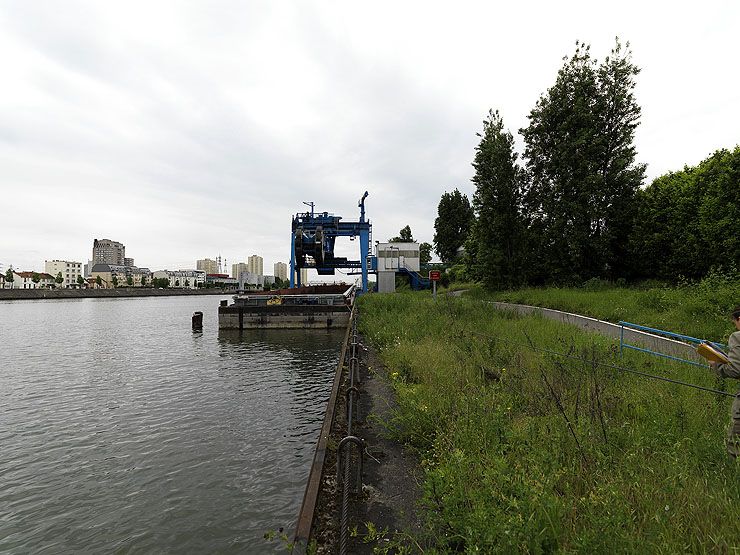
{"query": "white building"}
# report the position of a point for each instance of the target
(70, 271)
(281, 270)
(25, 280)
(182, 279)
(395, 257)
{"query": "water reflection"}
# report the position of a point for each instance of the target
(122, 430)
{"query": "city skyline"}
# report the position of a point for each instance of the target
(83, 260)
(188, 131)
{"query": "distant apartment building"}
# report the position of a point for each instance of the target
(128, 262)
(114, 275)
(269, 281)
(182, 279)
(281, 270)
(254, 265)
(237, 269)
(106, 251)
(207, 265)
(70, 271)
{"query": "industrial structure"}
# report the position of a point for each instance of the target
(398, 258)
(313, 238)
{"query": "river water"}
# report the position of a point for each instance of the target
(123, 431)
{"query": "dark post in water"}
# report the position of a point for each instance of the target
(197, 321)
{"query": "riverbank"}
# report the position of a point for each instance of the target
(698, 309)
(531, 441)
(39, 294)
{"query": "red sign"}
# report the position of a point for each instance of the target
(435, 275)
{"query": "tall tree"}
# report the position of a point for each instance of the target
(495, 244)
(581, 164)
(452, 225)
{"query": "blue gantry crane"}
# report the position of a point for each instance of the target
(312, 244)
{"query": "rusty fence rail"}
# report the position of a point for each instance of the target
(347, 357)
(345, 457)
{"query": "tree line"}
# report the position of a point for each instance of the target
(574, 208)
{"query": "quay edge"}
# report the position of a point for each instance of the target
(312, 307)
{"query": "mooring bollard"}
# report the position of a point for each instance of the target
(197, 321)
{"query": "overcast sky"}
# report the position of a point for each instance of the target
(190, 129)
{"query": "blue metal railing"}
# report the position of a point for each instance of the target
(669, 334)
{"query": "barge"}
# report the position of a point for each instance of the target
(316, 306)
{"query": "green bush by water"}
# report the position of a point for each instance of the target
(527, 452)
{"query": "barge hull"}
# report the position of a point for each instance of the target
(287, 317)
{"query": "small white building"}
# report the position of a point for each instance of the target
(395, 257)
(25, 280)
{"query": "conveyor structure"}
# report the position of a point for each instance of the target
(313, 237)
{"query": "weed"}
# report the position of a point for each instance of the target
(524, 451)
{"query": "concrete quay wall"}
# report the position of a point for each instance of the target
(644, 339)
(121, 292)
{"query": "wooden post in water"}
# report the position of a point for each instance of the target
(197, 321)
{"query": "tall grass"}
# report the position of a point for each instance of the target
(524, 451)
(698, 309)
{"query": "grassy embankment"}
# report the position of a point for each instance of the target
(524, 451)
(698, 309)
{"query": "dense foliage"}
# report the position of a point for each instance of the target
(688, 222)
(576, 211)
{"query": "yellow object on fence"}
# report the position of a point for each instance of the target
(712, 353)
